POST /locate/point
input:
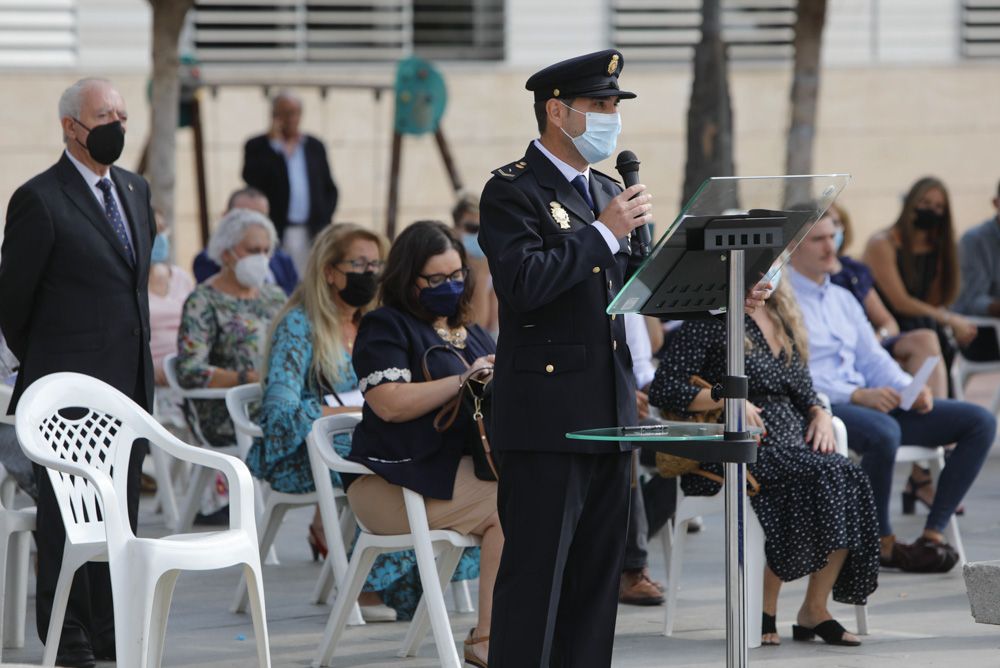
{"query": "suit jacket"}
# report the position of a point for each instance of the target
(265, 169)
(562, 363)
(70, 299)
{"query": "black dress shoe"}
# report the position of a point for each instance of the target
(75, 655)
(104, 648)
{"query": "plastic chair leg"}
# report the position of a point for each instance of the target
(270, 523)
(324, 583)
(861, 614)
(6, 549)
(447, 562)
(15, 592)
(461, 597)
(337, 556)
(163, 593)
(754, 578)
(346, 600)
(433, 602)
(59, 601)
(674, 575)
(252, 573)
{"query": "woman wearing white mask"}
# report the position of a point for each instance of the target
(225, 321)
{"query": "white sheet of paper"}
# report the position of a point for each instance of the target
(352, 398)
(911, 391)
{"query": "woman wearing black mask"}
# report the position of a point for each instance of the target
(309, 375)
(915, 264)
(425, 320)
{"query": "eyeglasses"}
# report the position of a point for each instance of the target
(364, 264)
(469, 226)
(435, 280)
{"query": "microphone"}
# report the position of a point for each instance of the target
(628, 166)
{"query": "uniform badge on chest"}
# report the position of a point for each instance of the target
(559, 215)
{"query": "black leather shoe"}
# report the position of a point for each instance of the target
(104, 648)
(75, 655)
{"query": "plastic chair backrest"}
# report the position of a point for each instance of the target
(81, 423)
(320, 442)
(170, 371)
(6, 392)
(238, 400)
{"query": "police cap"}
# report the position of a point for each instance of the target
(592, 75)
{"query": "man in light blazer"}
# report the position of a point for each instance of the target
(73, 273)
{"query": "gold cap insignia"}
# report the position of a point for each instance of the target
(613, 65)
(520, 164)
(559, 215)
(555, 92)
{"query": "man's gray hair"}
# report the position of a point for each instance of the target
(285, 94)
(233, 227)
(71, 101)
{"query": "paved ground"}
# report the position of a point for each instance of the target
(916, 620)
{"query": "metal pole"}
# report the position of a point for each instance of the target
(735, 486)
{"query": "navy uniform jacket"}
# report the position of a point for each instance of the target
(562, 363)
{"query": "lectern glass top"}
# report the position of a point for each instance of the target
(671, 431)
(767, 216)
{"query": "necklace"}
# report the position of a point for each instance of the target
(455, 337)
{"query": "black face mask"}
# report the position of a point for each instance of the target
(928, 220)
(105, 142)
(360, 288)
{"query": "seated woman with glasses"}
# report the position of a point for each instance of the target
(424, 320)
(465, 213)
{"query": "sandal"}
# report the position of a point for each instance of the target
(830, 631)
(470, 655)
(768, 625)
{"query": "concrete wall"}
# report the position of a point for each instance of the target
(887, 126)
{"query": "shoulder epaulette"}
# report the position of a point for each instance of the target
(511, 171)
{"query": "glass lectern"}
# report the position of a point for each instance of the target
(734, 233)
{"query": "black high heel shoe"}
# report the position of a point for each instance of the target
(910, 497)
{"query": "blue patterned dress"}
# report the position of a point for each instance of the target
(292, 402)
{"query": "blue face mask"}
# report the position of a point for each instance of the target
(442, 300)
(598, 141)
(838, 239)
(161, 249)
(472, 247)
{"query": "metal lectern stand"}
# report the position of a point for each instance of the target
(735, 232)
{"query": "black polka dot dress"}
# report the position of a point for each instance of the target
(810, 504)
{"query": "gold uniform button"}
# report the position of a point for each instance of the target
(596, 270)
(614, 345)
(614, 315)
(549, 368)
(611, 286)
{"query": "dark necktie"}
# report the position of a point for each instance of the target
(115, 217)
(582, 187)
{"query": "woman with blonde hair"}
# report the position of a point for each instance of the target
(309, 374)
(816, 507)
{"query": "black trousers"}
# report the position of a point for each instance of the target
(556, 597)
(90, 615)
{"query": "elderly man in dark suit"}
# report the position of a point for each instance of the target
(291, 169)
(73, 274)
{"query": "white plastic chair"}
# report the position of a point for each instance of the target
(15, 550)
(434, 577)
(201, 478)
(83, 430)
(673, 540)
(163, 467)
(271, 506)
(962, 369)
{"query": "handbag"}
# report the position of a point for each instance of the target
(473, 399)
(672, 466)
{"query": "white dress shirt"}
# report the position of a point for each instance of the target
(571, 173)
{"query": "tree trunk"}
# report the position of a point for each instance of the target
(168, 21)
(805, 95)
(710, 116)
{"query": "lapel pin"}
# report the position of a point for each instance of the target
(130, 188)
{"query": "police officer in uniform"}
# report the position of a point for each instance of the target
(557, 234)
